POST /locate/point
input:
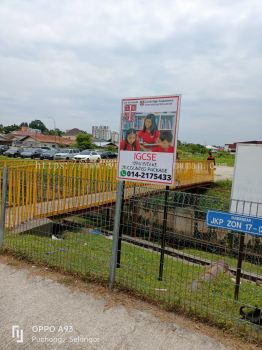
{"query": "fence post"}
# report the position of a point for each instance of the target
(239, 265)
(3, 205)
(113, 262)
(163, 236)
(121, 227)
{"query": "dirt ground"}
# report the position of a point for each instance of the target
(115, 298)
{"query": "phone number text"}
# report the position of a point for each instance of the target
(149, 176)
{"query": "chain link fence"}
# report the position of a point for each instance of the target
(165, 253)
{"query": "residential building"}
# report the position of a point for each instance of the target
(24, 131)
(212, 148)
(6, 139)
(30, 130)
(40, 140)
(104, 144)
(102, 133)
(114, 136)
(72, 133)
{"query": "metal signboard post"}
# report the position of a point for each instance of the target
(117, 217)
(3, 204)
(121, 225)
(147, 153)
(163, 236)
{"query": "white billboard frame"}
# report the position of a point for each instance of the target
(246, 191)
(154, 105)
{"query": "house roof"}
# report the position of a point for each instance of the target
(211, 147)
(233, 146)
(6, 137)
(50, 139)
(253, 142)
(20, 133)
(73, 132)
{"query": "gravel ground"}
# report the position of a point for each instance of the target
(224, 173)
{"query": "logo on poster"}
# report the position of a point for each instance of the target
(130, 112)
(145, 156)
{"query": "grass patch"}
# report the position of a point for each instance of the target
(225, 158)
(89, 256)
(220, 189)
(247, 266)
(222, 158)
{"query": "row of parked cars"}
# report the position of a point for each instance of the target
(55, 154)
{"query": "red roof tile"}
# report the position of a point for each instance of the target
(51, 139)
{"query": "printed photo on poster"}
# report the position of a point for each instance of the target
(148, 139)
(148, 132)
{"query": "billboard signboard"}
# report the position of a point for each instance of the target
(148, 137)
(246, 194)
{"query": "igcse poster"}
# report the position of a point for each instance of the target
(148, 138)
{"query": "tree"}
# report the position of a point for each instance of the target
(24, 124)
(57, 132)
(111, 148)
(9, 128)
(38, 124)
(84, 141)
(192, 148)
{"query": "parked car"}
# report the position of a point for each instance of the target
(31, 153)
(13, 152)
(49, 154)
(88, 156)
(108, 155)
(3, 148)
(66, 154)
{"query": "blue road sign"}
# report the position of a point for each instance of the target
(235, 222)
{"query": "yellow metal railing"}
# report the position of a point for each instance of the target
(39, 189)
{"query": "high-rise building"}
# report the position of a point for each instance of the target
(114, 136)
(101, 132)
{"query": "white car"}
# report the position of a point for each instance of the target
(88, 156)
(67, 154)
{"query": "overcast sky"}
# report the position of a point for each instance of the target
(73, 60)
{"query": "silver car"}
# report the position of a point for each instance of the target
(66, 154)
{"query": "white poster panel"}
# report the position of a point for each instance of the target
(246, 195)
(148, 138)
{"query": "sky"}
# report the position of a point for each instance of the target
(73, 61)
